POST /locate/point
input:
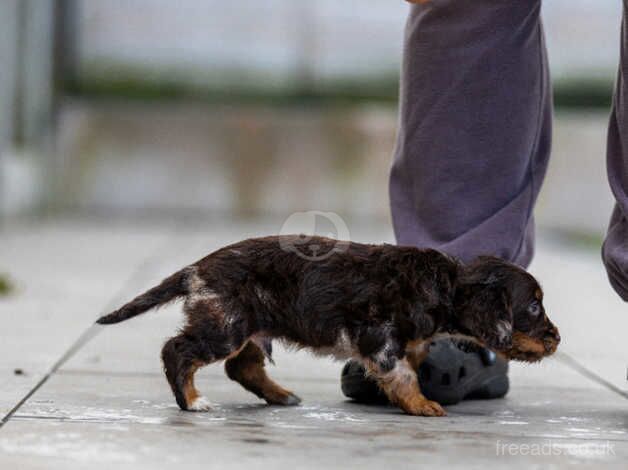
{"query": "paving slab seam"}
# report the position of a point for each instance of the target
(92, 331)
(583, 370)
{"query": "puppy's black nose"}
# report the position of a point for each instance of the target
(552, 334)
(551, 340)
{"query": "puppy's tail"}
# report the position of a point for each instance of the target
(170, 288)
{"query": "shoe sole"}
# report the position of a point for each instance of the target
(448, 376)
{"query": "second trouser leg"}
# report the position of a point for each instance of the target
(475, 128)
(615, 249)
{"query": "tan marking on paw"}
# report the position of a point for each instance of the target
(402, 388)
(424, 407)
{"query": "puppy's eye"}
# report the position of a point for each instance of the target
(534, 308)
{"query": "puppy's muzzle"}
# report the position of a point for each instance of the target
(551, 340)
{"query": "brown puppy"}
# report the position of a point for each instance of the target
(380, 304)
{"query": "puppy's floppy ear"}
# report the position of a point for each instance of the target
(487, 314)
(499, 319)
(485, 301)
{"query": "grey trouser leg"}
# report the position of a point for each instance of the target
(615, 249)
(475, 128)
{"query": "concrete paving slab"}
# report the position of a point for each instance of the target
(64, 277)
(55, 445)
(78, 418)
(110, 403)
(62, 445)
(592, 319)
(13, 387)
(146, 399)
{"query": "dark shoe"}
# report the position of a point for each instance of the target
(452, 371)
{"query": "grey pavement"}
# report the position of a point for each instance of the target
(109, 404)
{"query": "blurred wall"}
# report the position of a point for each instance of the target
(154, 159)
(276, 43)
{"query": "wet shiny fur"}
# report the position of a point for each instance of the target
(380, 304)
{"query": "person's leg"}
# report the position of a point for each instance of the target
(475, 128)
(615, 248)
(472, 149)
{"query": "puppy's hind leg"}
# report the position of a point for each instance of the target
(247, 368)
(184, 354)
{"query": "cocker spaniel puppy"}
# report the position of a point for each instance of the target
(380, 304)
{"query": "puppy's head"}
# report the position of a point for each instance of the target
(502, 305)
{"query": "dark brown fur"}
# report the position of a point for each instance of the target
(378, 303)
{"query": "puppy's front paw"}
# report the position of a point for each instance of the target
(425, 407)
(200, 404)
